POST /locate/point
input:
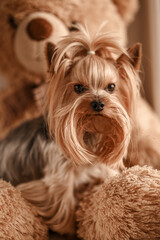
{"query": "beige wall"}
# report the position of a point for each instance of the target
(139, 32)
(146, 29)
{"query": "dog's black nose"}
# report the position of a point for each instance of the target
(97, 106)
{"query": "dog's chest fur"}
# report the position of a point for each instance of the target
(63, 171)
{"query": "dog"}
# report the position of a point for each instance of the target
(83, 135)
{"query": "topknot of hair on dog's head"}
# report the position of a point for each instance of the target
(80, 44)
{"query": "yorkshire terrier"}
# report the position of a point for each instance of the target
(89, 108)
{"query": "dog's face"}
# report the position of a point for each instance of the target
(91, 98)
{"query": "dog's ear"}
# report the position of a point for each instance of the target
(49, 50)
(135, 53)
(134, 56)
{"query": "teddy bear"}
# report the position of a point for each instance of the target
(26, 26)
(124, 207)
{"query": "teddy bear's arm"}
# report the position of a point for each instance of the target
(17, 105)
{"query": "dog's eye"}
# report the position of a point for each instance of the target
(73, 27)
(110, 88)
(79, 88)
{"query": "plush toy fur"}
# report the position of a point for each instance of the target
(19, 219)
(22, 52)
(124, 207)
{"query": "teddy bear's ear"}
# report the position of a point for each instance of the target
(49, 53)
(135, 55)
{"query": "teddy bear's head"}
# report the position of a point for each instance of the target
(26, 26)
